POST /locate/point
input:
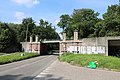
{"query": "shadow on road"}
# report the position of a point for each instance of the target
(19, 77)
(50, 77)
(9, 77)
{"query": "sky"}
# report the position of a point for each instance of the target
(13, 11)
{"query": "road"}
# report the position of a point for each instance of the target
(26, 69)
(64, 71)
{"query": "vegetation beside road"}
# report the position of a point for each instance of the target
(2, 53)
(16, 57)
(104, 62)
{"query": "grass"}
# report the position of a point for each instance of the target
(16, 57)
(104, 62)
(2, 53)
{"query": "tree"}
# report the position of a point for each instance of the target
(64, 21)
(7, 38)
(84, 21)
(51, 32)
(112, 20)
(43, 23)
(100, 29)
(45, 30)
(26, 27)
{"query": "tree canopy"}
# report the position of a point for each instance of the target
(45, 30)
(112, 20)
(88, 24)
(83, 20)
(25, 29)
(64, 21)
(7, 38)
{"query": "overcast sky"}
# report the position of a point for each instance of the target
(50, 10)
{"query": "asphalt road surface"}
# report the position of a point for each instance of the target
(26, 69)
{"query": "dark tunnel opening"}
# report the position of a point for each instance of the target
(114, 48)
(49, 49)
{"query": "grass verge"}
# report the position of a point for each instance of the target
(16, 57)
(2, 53)
(104, 62)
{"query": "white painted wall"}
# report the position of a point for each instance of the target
(87, 49)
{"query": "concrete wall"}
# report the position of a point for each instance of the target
(85, 46)
(31, 47)
(93, 45)
(25, 46)
(98, 41)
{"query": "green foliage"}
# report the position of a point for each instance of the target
(112, 20)
(99, 29)
(7, 38)
(110, 25)
(84, 21)
(16, 57)
(88, 24)
(28, 24)
(45, 30)
(64, 21)
(111, 63)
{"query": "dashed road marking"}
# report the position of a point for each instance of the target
(44, 72)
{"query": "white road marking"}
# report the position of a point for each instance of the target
(44, 72)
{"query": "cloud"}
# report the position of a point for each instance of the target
(27, 3)
(19, 15)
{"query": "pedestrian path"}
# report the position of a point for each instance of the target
(64, 71)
